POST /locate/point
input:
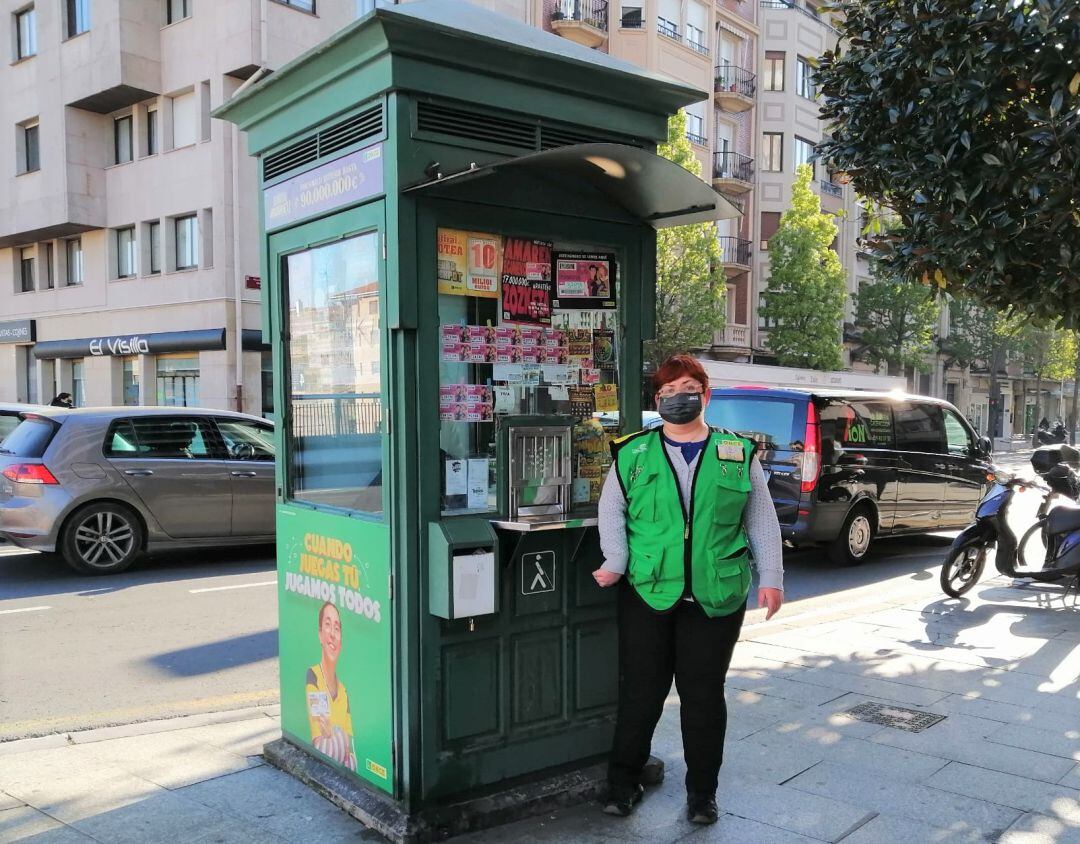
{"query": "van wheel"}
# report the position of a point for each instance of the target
(851, 547)
(102, 538)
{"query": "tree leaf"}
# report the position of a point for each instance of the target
(1074, 85)
(991, 159)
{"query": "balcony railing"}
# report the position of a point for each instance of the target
(733, 165)
(698, 47)
(733, 336)
(700, 140)
(668, 28)
(735, 80)
(831, 189)
(784, 4)
(735, 250)
(591, 12)
(632, 21)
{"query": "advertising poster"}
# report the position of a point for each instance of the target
(604, 348)
(468, 263)
(526, 281)
(335, 622)
(584, 280)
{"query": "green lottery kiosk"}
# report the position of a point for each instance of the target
(459, 221)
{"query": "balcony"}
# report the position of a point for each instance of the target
(695, 138)
(732, 172)
(734, 88)
(735, 255)
(733, 337)
(832, 189)
(583, 21)
(790, 5)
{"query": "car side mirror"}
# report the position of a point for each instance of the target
(984, 447)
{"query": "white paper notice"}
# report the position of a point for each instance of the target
(559, 393)
(511, 373)
(505, 400)
(457, 478)
(579, 491)
(478, 483)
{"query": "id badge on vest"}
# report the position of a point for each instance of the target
(730, 451)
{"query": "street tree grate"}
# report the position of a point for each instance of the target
(912, 720)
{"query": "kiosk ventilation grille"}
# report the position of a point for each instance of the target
(475, 126)
(352, 130)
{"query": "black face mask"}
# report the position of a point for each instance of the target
(680, 408)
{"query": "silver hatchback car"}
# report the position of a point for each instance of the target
(102, 485)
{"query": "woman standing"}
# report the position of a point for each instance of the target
(681, 513)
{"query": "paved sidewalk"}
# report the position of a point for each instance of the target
(1003, 667)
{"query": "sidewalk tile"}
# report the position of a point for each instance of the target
(85, 793)
(1066, 744)
(817, 816)
(851, 681)
(892, 829)
(1007, 713)
(958, 738)
(1072, 779)
(162, 818)
(764, 683)
(273, 801)
(244, 738)
(9, 802)
(950, 811)
(172, 760)
(1021, 793)
(853, 753)
(26, 822)
(749, 759)
(1038, 829)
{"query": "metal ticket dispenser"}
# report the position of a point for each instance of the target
(459, 223)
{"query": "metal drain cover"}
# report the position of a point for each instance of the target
(912, 720)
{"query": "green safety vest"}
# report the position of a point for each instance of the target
(699, 550)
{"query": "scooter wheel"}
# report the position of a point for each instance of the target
(962, 569)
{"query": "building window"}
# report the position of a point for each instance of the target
(774, 71)
(130, 369)
(78, 17)
(178, 380)
(29, 150)
(695, 125)
(153, 239)
(631, 17)
(30, 366)
(804, 153)
(25, 34)
(49, 281)
(187, 242)
(177, 10)
(152, 131)
(74, 257)
(770, 222)
(804, 79)
(762, 322)
(185, 128)
(78, 383)
(303, 5)
(122, 149)
(772, 152)
(26, 270)
(125, 252)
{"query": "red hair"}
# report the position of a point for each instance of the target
(679, 366)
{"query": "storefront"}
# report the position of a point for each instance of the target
(16, 357)
(457, 308)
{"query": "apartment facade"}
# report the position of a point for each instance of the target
(129, 266)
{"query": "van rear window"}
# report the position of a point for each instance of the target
(769, 422)
(30, 438)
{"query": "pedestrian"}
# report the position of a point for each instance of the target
(682, 512)
(62, 400)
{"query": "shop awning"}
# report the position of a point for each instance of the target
(647, 186)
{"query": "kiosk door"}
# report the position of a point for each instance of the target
(332, 527)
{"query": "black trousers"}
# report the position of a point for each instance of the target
(653, 648)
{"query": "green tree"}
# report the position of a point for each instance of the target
(689, 292)
(895, 320)
(962, 118)
(984, 337)
(1048, 353)
(804, 303)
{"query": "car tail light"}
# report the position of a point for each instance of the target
(29, 473)
(811, 456)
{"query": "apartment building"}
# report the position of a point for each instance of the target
(129, 266)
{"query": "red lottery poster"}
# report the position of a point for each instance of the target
(526, 281)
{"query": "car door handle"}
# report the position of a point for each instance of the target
(941, 467)
(245, 474)
(140, 473)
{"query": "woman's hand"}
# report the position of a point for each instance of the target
(606, 578)
(771, 598)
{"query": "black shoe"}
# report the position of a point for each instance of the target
(622, 799)
(701, 808)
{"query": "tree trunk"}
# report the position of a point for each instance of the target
(1035, 416)
(1076, 394)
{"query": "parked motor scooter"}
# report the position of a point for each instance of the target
(1057, 524)
(1051, 436)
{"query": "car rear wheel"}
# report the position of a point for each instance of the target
(851, 547)
(102, 538)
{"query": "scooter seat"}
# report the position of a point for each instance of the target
(1063, 520)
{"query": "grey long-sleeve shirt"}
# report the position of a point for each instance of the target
(759, 518)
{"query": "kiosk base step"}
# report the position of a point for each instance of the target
(493, 808)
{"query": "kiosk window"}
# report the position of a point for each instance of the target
(335, 395)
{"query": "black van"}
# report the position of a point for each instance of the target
(847, 466)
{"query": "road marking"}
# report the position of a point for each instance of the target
(237, 586)
(24, 609)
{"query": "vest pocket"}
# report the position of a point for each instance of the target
(641, 502)
(644, 566)
(732, 491)
(731, 576)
